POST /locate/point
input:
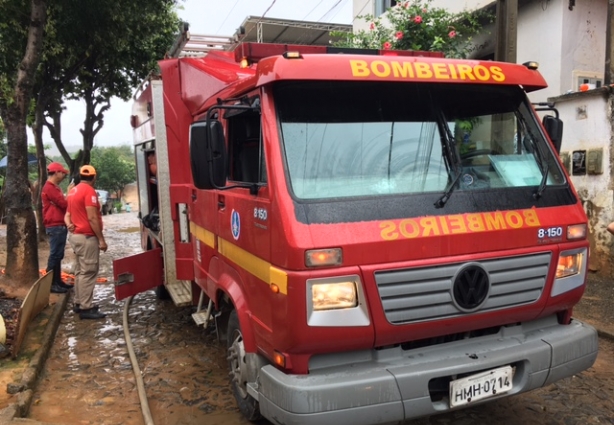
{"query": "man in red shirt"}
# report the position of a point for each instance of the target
(85, 221)
(54, 209)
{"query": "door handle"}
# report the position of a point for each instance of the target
(221, 202)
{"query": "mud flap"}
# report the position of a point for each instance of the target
(138, 273)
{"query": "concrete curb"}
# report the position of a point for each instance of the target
(25, 388)
(605, 334)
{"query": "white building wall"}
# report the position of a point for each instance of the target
(583, 40)
(587, 125)
(456, 6)
(361, 8)
(539, 39)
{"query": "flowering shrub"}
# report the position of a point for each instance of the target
(415, 25)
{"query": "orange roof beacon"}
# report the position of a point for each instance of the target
(377, 235)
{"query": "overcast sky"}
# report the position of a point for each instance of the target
(207, 17)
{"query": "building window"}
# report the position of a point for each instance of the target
(591, 79)
(382, 5)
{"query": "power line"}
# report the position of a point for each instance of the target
(339, 10)
(330, 10)
(311, 11)
(226, 18)
(269, 8)
(363, 8)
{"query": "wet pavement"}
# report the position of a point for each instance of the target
(88, 378)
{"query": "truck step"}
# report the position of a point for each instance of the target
(200, 317)
(181, 292)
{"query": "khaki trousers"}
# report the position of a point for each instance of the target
(86, 270)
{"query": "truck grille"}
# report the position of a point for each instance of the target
(412, 295)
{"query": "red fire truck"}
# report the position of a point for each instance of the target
(376, 235)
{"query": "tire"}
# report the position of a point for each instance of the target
(237, 365)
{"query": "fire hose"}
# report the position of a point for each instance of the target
(135, 367)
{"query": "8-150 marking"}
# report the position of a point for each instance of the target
(550, 232)
(260, 213)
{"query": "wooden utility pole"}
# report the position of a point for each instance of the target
(507, 30)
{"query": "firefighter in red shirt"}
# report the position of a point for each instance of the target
(84, 220)
(54, 208)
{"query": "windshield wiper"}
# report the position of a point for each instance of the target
(543, 165)
(450, 156)
(544, 168)
(446, 195)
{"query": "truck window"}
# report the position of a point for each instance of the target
(247, 162)
(352, 140)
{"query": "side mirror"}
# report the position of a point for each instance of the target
(554, 128)
(208, 154)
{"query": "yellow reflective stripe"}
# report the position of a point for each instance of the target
(202, 234)
(263, 270)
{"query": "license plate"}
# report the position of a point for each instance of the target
(480, 386)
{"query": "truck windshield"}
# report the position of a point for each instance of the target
(349, 139)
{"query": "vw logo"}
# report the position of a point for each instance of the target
(470, 287)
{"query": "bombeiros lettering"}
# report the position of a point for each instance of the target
(410, 228)
(399, 69)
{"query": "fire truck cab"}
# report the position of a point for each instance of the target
(377, 236)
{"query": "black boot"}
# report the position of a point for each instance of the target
(57, 277)
(56, 289)
(91, 313)
(64, 285)
(77, 308)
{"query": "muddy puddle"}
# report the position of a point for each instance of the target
(89, 378)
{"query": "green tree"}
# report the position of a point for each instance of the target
(416, 25)
(22, 25)
(115, 168)
(95, 50)
(109, 46)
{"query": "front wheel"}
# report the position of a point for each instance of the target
(239, 370)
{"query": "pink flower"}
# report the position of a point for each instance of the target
(406, 5)
(399, 35)
(372, 26)
(424, 10)
(418, 19)
(387, 45)
(452, 34)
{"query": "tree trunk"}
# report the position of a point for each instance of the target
(21, 244)
(37, 129)
(22, 249)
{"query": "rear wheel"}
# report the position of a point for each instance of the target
(239, 370)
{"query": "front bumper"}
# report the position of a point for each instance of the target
(391, 385)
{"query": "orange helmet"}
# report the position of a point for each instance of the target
(87, 170)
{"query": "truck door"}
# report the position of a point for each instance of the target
(243, 213)
(138, 273)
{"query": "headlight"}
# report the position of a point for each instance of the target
(569, 265)
(570, 271)
(336, 301)
(333, 296)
